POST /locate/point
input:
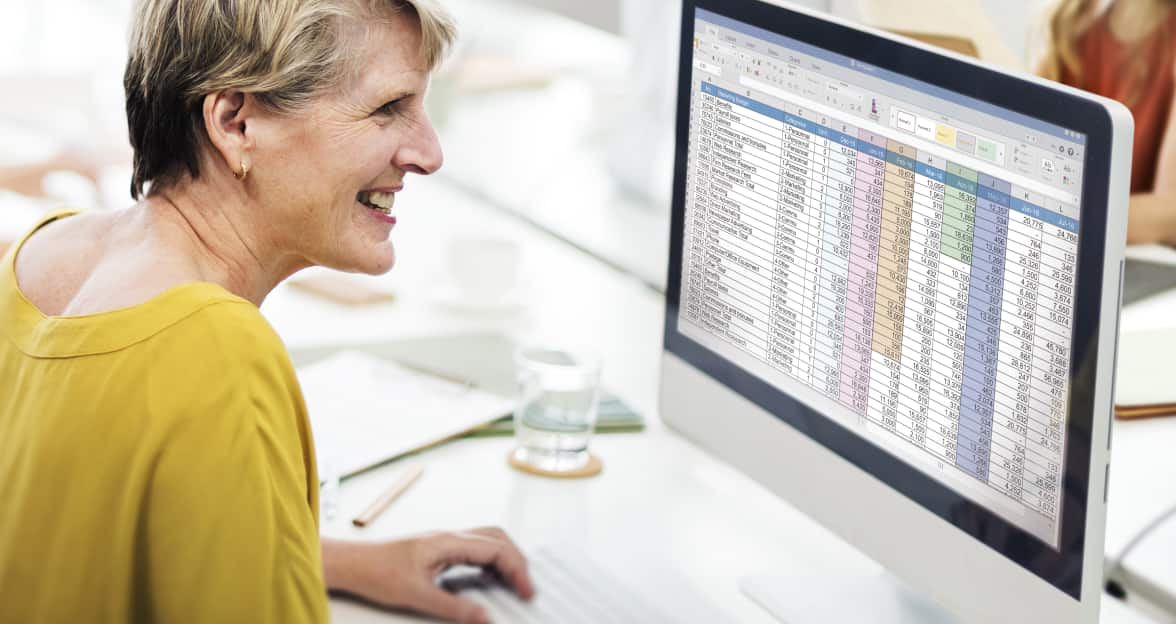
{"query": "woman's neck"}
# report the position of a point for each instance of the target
(215, 231)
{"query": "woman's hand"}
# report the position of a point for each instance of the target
(401, 573)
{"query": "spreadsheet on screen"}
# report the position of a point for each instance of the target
(899, 257)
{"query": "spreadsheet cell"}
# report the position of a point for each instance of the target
(932, 300)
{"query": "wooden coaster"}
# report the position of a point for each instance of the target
(591, 469)
(344, 289)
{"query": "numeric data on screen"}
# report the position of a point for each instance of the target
(932, 300)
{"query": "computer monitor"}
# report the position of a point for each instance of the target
(893, 300)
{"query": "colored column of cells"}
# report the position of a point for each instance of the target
(893, 249)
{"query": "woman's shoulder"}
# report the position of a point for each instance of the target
(96, 262)
(219, 331)
(44, 278)
(222, 365)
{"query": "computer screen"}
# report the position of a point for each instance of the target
(897, 256)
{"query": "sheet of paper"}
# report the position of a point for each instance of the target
(365, 410)
(1144, 375)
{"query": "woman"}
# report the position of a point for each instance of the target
(155, 455)
(1125, 51)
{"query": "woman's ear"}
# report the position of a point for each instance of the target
(227, 115)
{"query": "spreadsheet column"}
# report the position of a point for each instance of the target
(890, 302)
(982, 338)
(792, 266)
(818, 174)
(863, 271)
(1015, 360)
(698, 218)
(1047, 417)
(919, 316)
(741, 227)
(951, 314)
(995, 196)
(836, 238)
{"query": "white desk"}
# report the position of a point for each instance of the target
(1143, 467)
(660, 503)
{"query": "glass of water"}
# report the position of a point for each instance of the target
(559, 390)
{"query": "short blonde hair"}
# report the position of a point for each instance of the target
(284, 52)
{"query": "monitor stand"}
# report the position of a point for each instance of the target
(815, 599)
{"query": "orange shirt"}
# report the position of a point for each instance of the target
(1105, 67)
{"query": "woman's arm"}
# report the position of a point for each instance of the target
(1151, 217)
(401, 573)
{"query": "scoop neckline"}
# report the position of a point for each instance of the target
(41, 335)
(159, 298)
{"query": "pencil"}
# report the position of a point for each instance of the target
(393, 492)
(1127, 412)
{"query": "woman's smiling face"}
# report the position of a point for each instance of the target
(327, 175)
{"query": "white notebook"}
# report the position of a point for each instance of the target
(365, 410)
(1146, 368)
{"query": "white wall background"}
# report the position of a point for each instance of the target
(606, 14)
(1013, 20)
(73, 34)
(1020, 21)
(1016, 22)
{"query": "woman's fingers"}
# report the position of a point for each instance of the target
(523, 585)
(491, 547)
(491, 531)
(432, 600)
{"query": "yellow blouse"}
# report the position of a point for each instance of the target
(156, 465)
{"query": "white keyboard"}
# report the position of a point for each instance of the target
(569, 587)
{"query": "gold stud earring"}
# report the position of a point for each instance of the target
(244, 171)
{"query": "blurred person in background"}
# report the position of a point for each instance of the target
(1125, 50)
(156, 460)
